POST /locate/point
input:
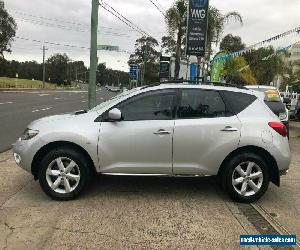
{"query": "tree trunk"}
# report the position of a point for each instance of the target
(178, 53)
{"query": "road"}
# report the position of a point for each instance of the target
(19, 108)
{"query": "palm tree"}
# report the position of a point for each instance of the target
(176, 20)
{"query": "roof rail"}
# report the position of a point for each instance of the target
(212, 83)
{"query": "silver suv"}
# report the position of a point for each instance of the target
(163, 130)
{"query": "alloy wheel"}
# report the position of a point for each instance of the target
(63, 175)
(247, 178)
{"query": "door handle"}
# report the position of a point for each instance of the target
(162, 132)
(229, 129)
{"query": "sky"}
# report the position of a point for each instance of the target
(67, 22)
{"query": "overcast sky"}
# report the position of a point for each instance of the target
(38, 20)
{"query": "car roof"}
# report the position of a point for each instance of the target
(194, 86)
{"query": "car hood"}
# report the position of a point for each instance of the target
(62, 119)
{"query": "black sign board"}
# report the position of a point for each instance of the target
(165, 59)
(197, 27)
(164, 71)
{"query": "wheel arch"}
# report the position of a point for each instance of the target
(52, 145)
(264, 154)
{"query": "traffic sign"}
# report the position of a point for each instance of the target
(108, 47)
(133, 72)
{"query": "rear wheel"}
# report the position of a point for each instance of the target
(63, 173)
(246, 177)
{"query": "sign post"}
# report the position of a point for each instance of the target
(133, 74)
(197, 29)
(93, 54)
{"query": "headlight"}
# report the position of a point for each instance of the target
(29, 134)
(283, 116)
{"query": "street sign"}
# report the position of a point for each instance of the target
(197, 27)
(108, 47)
(133, 72)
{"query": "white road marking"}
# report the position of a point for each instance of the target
(1, 103)
(46, 109)
(44, 94)
(56, 98)
(38, 110)
(83, 101)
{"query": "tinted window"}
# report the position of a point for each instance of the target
(236, 101)
(149, 107)
(197, 103)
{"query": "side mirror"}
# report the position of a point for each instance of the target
(115, 114)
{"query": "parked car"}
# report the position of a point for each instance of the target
(164, 130)
(274, 102)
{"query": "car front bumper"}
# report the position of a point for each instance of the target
(24, 152)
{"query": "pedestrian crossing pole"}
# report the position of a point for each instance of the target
(93, 54)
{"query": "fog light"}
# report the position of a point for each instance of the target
(17, 158)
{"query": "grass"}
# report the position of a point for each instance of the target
(6, 82)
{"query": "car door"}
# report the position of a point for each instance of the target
(141, 143)
(204, 134)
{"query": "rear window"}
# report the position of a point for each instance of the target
(236, 101)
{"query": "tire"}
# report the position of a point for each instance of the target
(75, 171)
(236, 179)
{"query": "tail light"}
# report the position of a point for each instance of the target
(279, 128)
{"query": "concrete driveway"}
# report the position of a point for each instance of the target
(137, 213)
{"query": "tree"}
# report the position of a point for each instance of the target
(146, 53)
(176, 20)
(106, 76)
(8, 28)
(232, 43)
(57, 68)
(216, 24)
(237, 71)
(265, 64)
(168, 45)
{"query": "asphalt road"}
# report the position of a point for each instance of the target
(19, 108)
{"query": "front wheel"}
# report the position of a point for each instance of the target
(63, 173)
(246, 177)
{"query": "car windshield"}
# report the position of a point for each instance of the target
(271, 95)
(113, 99)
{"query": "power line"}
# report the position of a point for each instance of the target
(158, 8)
(63, 27)
(82, 25)
(123, 19)
(62, 44)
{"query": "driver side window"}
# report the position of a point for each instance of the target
(158, 106)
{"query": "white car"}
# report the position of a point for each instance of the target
(163, 130)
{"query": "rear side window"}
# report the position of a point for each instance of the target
(236, 101)
(196, 103)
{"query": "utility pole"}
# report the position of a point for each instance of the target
(44, 68)
(144, 65)
(93, 54)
